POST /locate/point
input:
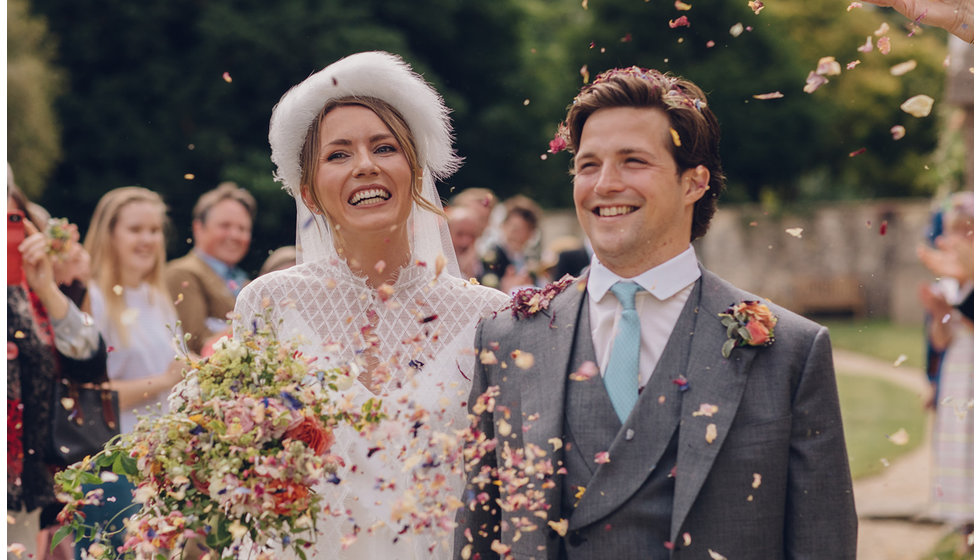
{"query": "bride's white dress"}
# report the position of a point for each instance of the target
(397, 490)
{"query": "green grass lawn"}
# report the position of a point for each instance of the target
(946, 549)
(874, 409)
(879, 339)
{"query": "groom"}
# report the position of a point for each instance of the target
(619, 415)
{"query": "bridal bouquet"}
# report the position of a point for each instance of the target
(235, 461)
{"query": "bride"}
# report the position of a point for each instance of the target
(377, 290)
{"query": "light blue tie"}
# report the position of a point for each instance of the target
(622, 373)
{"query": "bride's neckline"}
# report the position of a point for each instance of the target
(409, 275)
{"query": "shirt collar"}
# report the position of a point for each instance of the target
(663, 280)
(218, 266)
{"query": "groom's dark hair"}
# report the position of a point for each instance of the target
(697, 132)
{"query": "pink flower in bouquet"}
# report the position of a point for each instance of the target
(240, 414)
(314, 435)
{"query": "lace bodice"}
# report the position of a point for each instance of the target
(397, 490)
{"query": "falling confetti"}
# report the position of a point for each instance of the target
(898, 132)
(687, 539)
(828, 66)
(903, 68)
(771, 95)
(901, 437)
(584, 71)
(814, 81)
(853, 5)
(679, 22)
(918, 106)
(867, 46)
(523, 360)
(380, 266)
(883, 229)
(560, 526)
(756, 480)
(711, 433)
(675, 137)
(857, 152)
(715, 556)
(736, 29)
(226, 77)
(189, 176)
(853, 64)
(796, 232)
(586, 371)
(756, 6)
(900, 360)
(884, 45)
(706, 410)
(680, 6)
(129, 316)
(602, 457)
(555, 443)
(882, 29)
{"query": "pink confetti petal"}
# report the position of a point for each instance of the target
(679, 22)
(602, 457)
(772, 95)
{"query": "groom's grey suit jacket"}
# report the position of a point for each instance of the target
(742, 457)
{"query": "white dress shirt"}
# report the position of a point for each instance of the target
(666, 288)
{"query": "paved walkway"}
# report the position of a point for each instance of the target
(891, 505)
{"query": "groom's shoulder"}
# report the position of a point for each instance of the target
(724, 293)
(530, 309)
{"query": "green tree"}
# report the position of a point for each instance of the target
(33, 82)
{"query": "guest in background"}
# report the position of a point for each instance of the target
(205, 282)
(48, 338)
(133, 310)
(280, 259)
(565, 255)
(508, 265)
(951, 332)
(465, 228)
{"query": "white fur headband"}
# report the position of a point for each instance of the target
(368, 74)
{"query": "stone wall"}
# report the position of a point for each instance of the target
(843, 261)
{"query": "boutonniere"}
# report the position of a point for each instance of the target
(749, 323)
(529, 301)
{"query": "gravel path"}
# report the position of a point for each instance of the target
(892, 506)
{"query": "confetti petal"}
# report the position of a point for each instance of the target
(898, 132)
(867, 46)
(584, 72)
(675, 137)
(853, 5)
(882, 29)
(117, 289)
(586, 371)
(680, 6)
(679, 22)
(852, 64)
(736, 29)
(901, 437)
(771, 95)
(560, 526)
(756, 6)
(903, 68)
(828, 66)
(706, 410)
(796, 232)
(555, 443)
(814, 81)
(900, 360)
(602, 457)
(756, 480)
(226, 77)
(857, 152)
(884, 45)
(523, 360)
(918, 106)
(711, 433)
(716, 556)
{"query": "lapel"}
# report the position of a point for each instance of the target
(543, 393)
(714, 380)
(215, 285)
(652, 423)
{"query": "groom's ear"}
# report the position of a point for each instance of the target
(694, 181)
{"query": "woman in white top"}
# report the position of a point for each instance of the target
(377, 290)
(130, 301)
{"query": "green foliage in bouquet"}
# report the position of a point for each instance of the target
(235, 461)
